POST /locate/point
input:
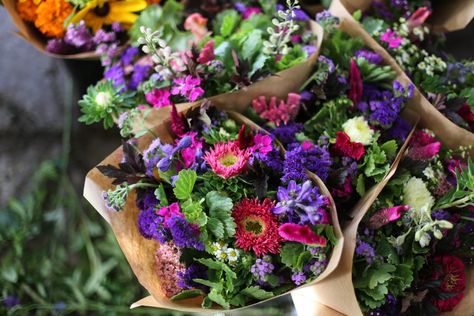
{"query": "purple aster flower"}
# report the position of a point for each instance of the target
(262, 268)
(11, 301)
(140, 74)
(194, 271)
(286, 133)
(306, 156)
(299, 278)
(399, 130)
(116, 74)
(128, 55)
(78, 35)
(371, 56)
(363, 249)
(301, 204)
(151, 226)
(184, 234)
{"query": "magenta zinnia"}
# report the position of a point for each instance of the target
(257, 227)
(227, 159)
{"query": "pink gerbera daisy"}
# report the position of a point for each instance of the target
(227, 159)
(257, 226)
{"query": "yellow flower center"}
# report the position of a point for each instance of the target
(450, 281)
(254, 226)
(228, 160)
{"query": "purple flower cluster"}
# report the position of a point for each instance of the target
(151, 226)
(184, 234)
(301, 204)
(194, 271)
(273, 160)
(371, 56)
(298, 277)
(261, 269)
(306, 156)
(286, 133)
(365, 250)
(76, 40)
(188, 87)
(399, 130)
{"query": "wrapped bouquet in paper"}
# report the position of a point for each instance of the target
(75, 29)
(208, 216)
(415, 244)
(344, 125)
(242, 52)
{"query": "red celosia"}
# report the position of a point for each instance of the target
(387, 215)
(344, 147)
(179, 125)
(301, 233)
(355, 81)
(278, 112)
(257, 226)
(207, 53)
(343, 190)
(418, 17)
(453, 280)
(245, 139)
(423, 146)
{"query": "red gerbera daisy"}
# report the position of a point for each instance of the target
(257, 227)
(453, 280)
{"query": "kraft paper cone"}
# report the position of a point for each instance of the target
(447, 16)
(451, 135)
(28, 32)
(278, 85)
(140, 251)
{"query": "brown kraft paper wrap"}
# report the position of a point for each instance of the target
(278, 85)
(28, 32)
(447, 16)
(140, 251)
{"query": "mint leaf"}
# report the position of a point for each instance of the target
(216, 227)
(194, 213)
(220, 211)
(186, 294)
(256, 293)
(184, 184)
(218, 202)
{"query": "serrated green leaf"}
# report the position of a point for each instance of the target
(186, 294)
(216, 227)
(184, 184)
(360, 186)
(289, 253)
(390, 148)
(214, 285)
(218, 202)
(256, 293)
(218, 298)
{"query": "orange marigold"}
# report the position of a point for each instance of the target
(27, 10)
(51, 17)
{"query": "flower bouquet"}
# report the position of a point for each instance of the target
(244, 51)
(450, 134)
(75, 29)
(207, 217)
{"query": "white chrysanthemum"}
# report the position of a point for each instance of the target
(417, 195)
(359, 130)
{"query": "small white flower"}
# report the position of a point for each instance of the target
(232, 255)
(429, 172)
(358, 130)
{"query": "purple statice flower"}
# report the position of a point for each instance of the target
(389, 308)
(309, 49)
(140, 74)
(116, 74)
(383, 107)
(306, 156)
(325, 18)
(298, 277)
(371, 56)
(194, 271)
(400, 4)
(151, 226)
(365, 250)
(286, 133)
(11, 301)
(188, 87)
(147, 201)
(273, 161)
(102, 36)
(327, 61)
(128, 55)
(441, 215)
(262, 268)
(78, 35)
(58, 46)
(117, 27)
(399, 130)
(301, 204)
(184, 234)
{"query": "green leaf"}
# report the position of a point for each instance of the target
(186, 294)
(251, 44)
(256, 293)
(218, 298)
(289, 253)
(390, 148)
(220, 222)
(229, 21)
(217, 265)
(357, 15)
(303, 258)
(214, 285)
(206, 303)
(360, 187)
(161, 195)
(218, 202)
(216, 227)
(184, 184)
(194, 213)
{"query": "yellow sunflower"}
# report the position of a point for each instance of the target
(99, 12)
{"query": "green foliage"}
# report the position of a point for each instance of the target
(235, 188)
(341, 47)
(295, 56)
(184, 185)
(257, 293)
(383, 75)
(468, 93)
(373, 25)
(290, 252)
(186, 294)
(463, 194)
(226, 22)
(377, 160)
(220, 222)
(329, 119)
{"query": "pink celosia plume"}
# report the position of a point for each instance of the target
(418, 17)
(300, 233)
(355, 82)
(423, 146)
(387, 215)
(277, 111)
